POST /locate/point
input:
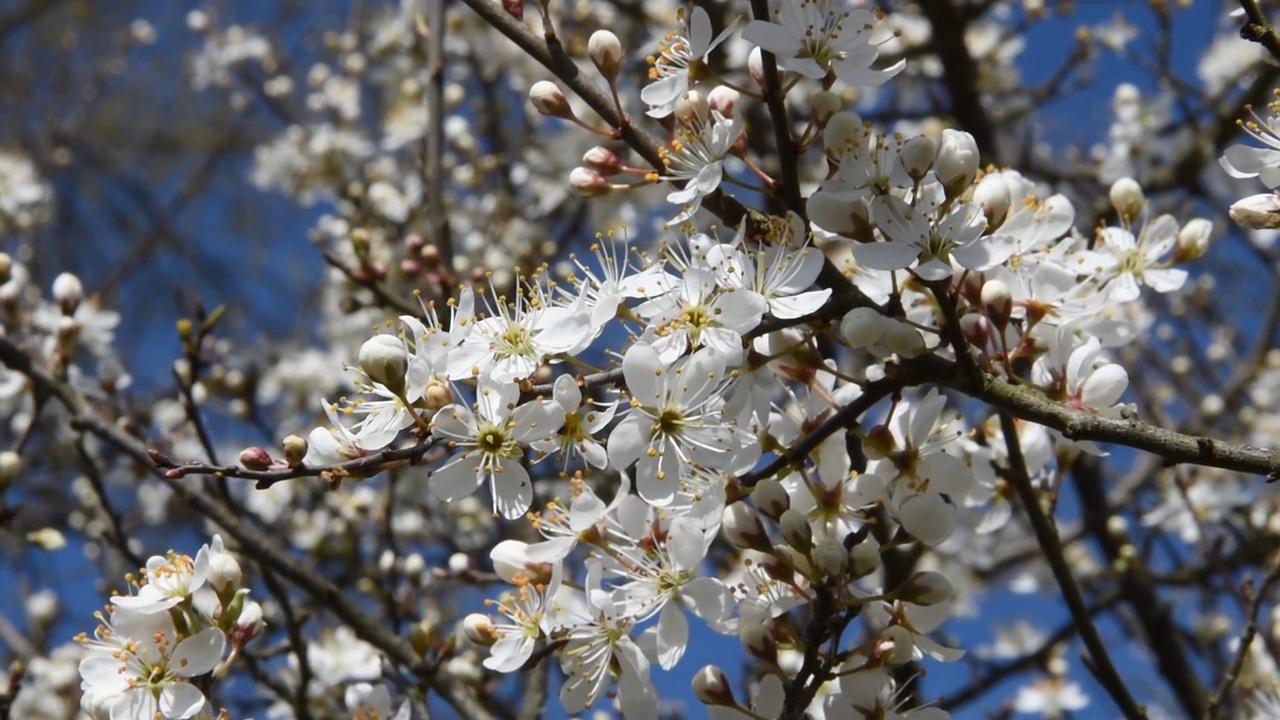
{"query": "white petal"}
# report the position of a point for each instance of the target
(673, 636)
(457, 478)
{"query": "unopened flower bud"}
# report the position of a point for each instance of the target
(1193, 240)
(547, 97)
(438, 395)
(864, 559)
(1127, 198)
(824, 105)
(755, 65)
(771, 498)
(957, 162)
(711, 686)
(903, 339)
(1257, 212)
(977, 329)
(255, 458)
(758, 641)
(479, 629)
(224, 570)
(10, 466)
(605, 50)
(997, 302)
(384, 359)
(724, 100)
(992, 193)
(917, 156)
(602, 160)
(830, 557)
(422, 635)
(743, 527)
(588, 182)
(47, 539)
(68, 291)
(862, 327)
(925, 588)
(796, 530)
(249, 623)
(414, 566)
(295, 448)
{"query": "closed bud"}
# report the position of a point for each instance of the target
(977, 330)
(605, 50)
(743, 528)
(771, 498)
(249, 622)
(10, 466)
(1193, 240)
(1257, 212)
(255, 458)
(862, 327)
(414, 566)
(547, 97)
(602, 160)
(724, 100)
(589, 183)
(903, 339)
(824, 105)
(925, 588)
(421, 637)
(1127, 198)
(711, 686)
(295, 448)
(755, 66)
(438, 395)
(68, 292)
(992, 193)
(917, 156)
(479, 629)
(796, 530)
(830, 557)
(47, 539)
(224, 571)
(997, 302)
(956, 164)
(758, 640)
(864, 559)
(384, 359)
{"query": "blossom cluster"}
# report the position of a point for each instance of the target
(699, 425)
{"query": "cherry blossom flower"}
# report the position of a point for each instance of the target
(674, 421)
(913, 235)
(581, 424)
(140, 667)
(490, 437)
(170, 579)
(679, 53)
(695, 157)
(780, 273)
(814, 37)
(1131, 261)
(513, 343)
(1245, 161)
(697, 313)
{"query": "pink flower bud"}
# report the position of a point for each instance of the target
(549, 100)
(255, 458)
(602, 160)
(977, 330)
(724, 100)
(589, 183)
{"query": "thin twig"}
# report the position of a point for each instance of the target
(1047, 535)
